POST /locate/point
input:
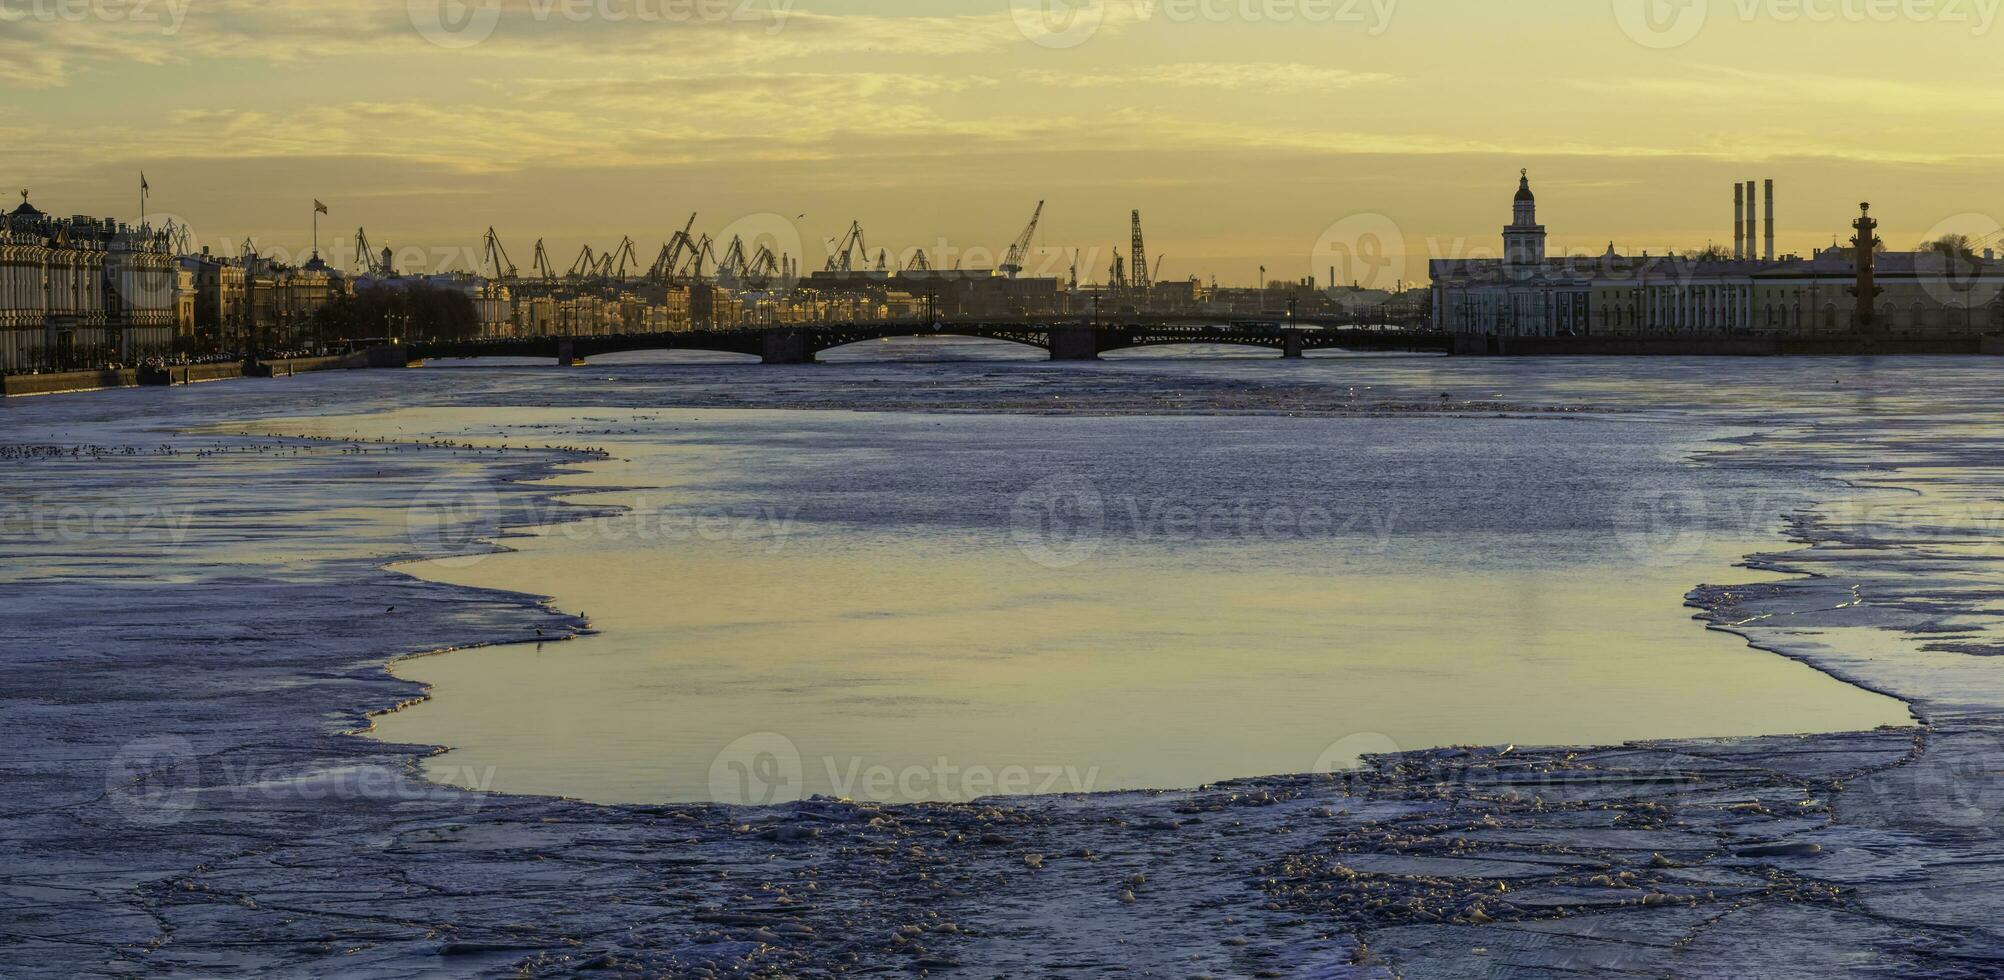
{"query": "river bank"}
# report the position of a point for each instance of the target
(58, 382)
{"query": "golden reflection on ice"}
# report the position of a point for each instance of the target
(918, 660)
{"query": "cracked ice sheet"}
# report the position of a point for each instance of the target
(384, 875)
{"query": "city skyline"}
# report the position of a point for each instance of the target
(1243, 132)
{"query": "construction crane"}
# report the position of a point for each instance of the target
(883, 257)
(541, 262)
(701, 251)
(1157, 275)
(362, 251)
(1012, 262)
(381, 264)
(919, 263)
(497, 257)
(586, 263)
(840, 257)
(623, 253)
(1139, 264)
(670, 257)
(764, 268)
(734, 266)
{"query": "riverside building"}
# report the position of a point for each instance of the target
(80, 291)
(1747, 291)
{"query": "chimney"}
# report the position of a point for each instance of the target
(1769, 197)
(1739, 219)
(1753, 222)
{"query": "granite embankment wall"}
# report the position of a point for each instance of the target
(1722, 346)
(180, 374)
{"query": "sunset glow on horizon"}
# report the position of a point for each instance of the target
(1244, 130)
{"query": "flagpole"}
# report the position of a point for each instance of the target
(316, 229)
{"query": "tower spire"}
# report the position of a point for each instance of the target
(1524, 239)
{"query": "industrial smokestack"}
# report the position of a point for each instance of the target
(1753, 221)
(1739, 219)
(1770, 219)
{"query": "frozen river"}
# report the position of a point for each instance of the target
(936, 571)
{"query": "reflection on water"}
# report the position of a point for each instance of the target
(900, 606)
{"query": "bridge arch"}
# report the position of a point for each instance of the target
(846, 339)
(1276, 344)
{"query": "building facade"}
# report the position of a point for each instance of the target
(1530, 293)
(81, 291)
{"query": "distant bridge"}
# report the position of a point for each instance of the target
(1066, 341)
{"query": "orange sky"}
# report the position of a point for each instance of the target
(1293, 134)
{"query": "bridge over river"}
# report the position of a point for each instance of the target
(1066, 341)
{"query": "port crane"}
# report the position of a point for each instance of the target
(500, 266)
(840, 256)
(670, 257)
(373, 264)
(703, 250)
(541, 262)
(623, 253)
(734, 266)
(1012, 262)
(764, 268)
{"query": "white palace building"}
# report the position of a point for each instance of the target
(1529, 293)
(79, 290)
